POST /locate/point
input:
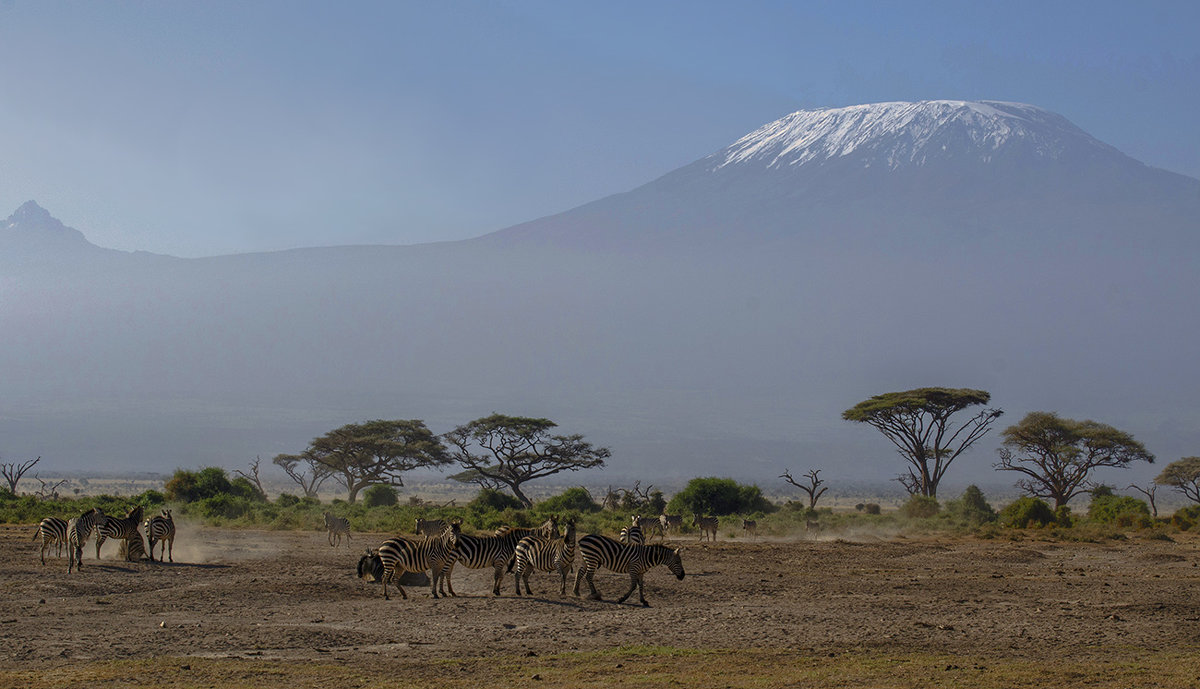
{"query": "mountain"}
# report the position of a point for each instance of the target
(715, 321)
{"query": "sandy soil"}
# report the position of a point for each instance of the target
(288, 595)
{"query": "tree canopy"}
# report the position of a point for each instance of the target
(359, 455)
(1184, 476)
(918, 423)
(1057, 456)
(510, 451)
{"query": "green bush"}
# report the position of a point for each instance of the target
(1026, 512)
(1121, 510)
(380, 496)
(491, 500)
(920, 507)
(570, 500)
(872, 508)
(719, 497)
(287, 500)
(972, 507)
(1186, 518)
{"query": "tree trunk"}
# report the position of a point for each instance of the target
(516, 489)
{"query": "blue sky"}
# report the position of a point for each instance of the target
(218, 127)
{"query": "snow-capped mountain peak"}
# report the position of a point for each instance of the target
(900, 134)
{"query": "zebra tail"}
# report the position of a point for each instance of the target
(37, 532)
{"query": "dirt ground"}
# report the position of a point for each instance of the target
(290, 596)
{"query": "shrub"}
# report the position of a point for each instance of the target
(1062, 516)
(872, 508)
(380, 496)
(491, 500)
(570, 500)
(287, 500)
(1026, 512)
(1122, 510)
(972, 507)
(920, 507)
(1186, 518)
(719, 496)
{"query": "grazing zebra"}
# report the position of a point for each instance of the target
(399, 555)
(708, 527)
(118, 527)
(336, 526)
(53, 532)
(161, 527)
(78, 530)
(538, 553)
(649, 525)
(751, 527)
(430, 527)
(599, 551)
(632, 535)
(670, 523)
(497, 552)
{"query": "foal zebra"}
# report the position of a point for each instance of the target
(336, 526)
(53, 532)
(478, 552)
(161, 527)
(601, 551)
(538, 553)
(119, 528)
(708, 527)
(78, 530)
(399, 555)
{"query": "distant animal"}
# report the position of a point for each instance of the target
(78, 530)
(671, 523)
(497, 551)
(430, 527)
(649, 526)
(632, 534)
(399, 555)
(598, 551)
(336, 527)
(708, 527)
(161, 529)
(53, 532)
(119, 528)
(542, 554)
(750, 527)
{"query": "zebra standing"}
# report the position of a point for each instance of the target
(53, 532)
(399, 555)
(478, 552)
(632, 534)
(538, 553)
(161, 527)
(430, 527)
(599, 551)
(708, 527)
(122, 528)
(670, 523)
(336, 526)
(750, 527)
(78, 530)
(649, 526)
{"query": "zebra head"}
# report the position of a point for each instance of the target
(675, 563)
(370, 566)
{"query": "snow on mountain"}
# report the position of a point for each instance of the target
(900, 134)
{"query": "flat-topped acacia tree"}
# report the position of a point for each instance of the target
(919, 424)
(501, 450)
(358, 455)
(1184, 476)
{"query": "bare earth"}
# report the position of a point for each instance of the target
(290, 596)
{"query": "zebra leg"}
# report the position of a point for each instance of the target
(99, 542)
(578, 578)
(171, 552)
(517, 578)
(641, 594)
(498, 577)
(446, 576)
(152, 542)
(633, 582)
(591, 581)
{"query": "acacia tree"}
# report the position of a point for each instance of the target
(1184, 476)
(813, 488)
(510, 451)
(305, 470)
(358, 455)
(918, 422)
(1057, 456)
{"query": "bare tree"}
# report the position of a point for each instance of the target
(48, 491)
(253, 476)
(305, 470)
(813, 488)
(1149, 493)
(13, 471)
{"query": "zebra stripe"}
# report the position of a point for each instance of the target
(497, 552)
(708, 527)
(671, 523)
(632, 535)
(122, 528)
(541, 554)
(430, 527)
(599, 551)
(161, 527)
(336, 526)
(53, 532)
(649, 525)
(399, 555)
(78, 530)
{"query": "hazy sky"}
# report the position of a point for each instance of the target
(217, 127)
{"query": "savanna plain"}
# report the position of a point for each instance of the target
(247, 608)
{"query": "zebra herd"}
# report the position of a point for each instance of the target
(521, 551)
(73, 533)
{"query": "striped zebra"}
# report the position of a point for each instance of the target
(53, 532)
(497, 552)
(121, 528)
(430, 527)
(670, 523)
(542, 554)
(336, 526)
(632, 535)
(599, 551)
(751, 528)
(708, 527)
(399, 555)
(161, 528)
(78, 530)
(649, 526)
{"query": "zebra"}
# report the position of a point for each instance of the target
(599, 551)
(649, 525)
(336, 526)
(632, 535)
(545, 555)
(670, 523)
(751, 527)
(78, 530)
(497, 552)
(399, 555)
(161, 527)
(430, 527)
(53, 532)
(708, 527)
(119, 528)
